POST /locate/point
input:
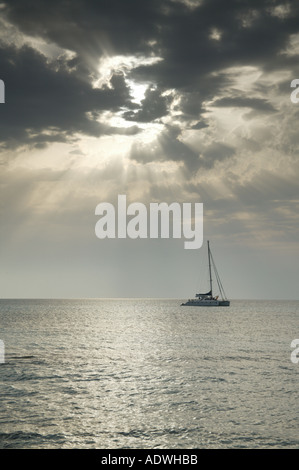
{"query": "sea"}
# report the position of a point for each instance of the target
(148, 374)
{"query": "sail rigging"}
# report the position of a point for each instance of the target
(220, 286)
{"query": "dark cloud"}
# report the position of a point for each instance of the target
(41, 98)
(199, 125)
(195, 44)
(169, 147)
(215, 152)
(191, 54)
(153, 106)
(90, 26)
(257, 104)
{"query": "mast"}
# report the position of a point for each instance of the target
(209, 256)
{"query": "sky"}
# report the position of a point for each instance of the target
(182, 101)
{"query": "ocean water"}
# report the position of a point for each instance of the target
(148, 374)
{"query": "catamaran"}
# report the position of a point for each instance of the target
(208, 299)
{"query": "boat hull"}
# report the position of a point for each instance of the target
(206, 303)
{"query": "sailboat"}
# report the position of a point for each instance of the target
(208, 299)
